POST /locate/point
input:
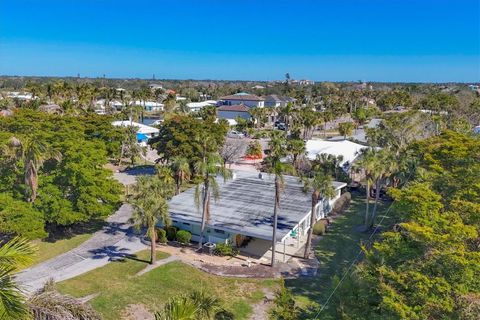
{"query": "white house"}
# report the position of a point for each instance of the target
(347, 149)
(142, 129)
(246, 99)
(197, 106)
(149, 105)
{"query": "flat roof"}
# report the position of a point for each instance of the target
(245, 205)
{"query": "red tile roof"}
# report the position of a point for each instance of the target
(237, 107)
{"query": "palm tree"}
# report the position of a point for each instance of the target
(208, 168)
(322, 189)
(150, 207)
(13, 254)
(195, 306)
(368, 162)
(181, 172)
(48, 303)
(274, 165)
(386, 166)
(33, 153)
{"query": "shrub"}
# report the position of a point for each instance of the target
(254, 149)
(342, 203)
(223, 249)
(184, 236)
(171, 233)
(320, 227)
(161, 236)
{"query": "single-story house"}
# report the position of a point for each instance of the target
(243, 214)
(142, 129)
(149, 105)
(197, 106)
(233, 111)
(249, 100)
(345, 148)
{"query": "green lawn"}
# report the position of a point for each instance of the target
(64, 241)
(47, 250)
(117, 287)
(335, 252)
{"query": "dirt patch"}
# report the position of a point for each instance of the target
(260, 310)
(256, 271)
(137, 312)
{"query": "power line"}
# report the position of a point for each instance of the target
(356, 257)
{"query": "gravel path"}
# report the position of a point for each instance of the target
(114, 241)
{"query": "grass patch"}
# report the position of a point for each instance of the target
(118, 287)
(335, 252)
(47, 250)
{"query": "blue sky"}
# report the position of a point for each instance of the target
(336, 40)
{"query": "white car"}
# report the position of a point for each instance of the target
(235, 134)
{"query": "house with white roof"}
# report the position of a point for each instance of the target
(197, 106)
(144, 132)
(345, 148)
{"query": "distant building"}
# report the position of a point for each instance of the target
(476, 130)
(248, 100)
(473, 87)
(257, 87)
(143, 131)
(276, 101)
(151, 106)
(233, 111)
(155, 86)
(197, 106)
(20, 96)
(306, 82)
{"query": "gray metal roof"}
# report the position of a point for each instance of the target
(245, 205)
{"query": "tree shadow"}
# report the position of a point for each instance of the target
(115, 254)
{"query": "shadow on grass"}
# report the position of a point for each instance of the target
(335, 252)
(56, 233)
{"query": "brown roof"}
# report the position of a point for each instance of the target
(237, 107)
(242, 97)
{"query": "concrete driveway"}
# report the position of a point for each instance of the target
(116, 240)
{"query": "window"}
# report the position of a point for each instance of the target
(219, 231)
(186, 223)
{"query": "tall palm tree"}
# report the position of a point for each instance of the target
(385, 167)
(274, 165)
(181, 172)
(150, 207)
(33, 153)
(322, 189)
(208, 168)
(368, 162)
(13, 254)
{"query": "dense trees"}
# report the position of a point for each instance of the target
(427, 266)
(55, 162)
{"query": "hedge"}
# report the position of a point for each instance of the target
(161, 236)
(222, 249)
(171, 233)
(320, 228)
(184, 236)
(342, 203)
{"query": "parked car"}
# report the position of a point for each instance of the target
(282, 126)
(236, 135)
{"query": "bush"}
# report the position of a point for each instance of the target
(171, 233)
(342, 203)
(161, 236)
(320, 228)
(254, 149)
(184, 236)
(225, 250)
